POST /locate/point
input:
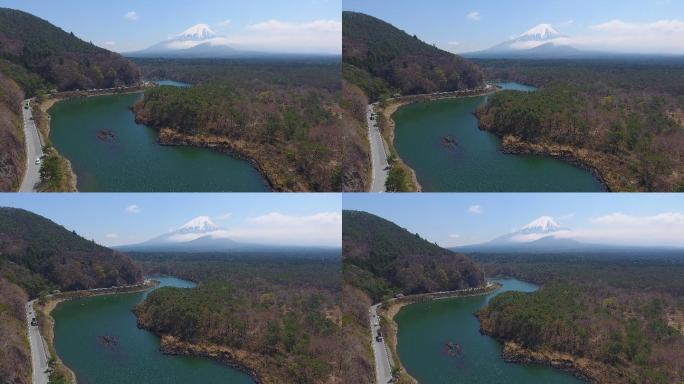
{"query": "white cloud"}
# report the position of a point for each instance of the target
(474, 16)
(224, 216)
(667, 218)
(661, 36)
(316, 36)
(133, 208)
(475, 209)
(109, 43)
(565, 24)
(223, 24)
(662, 229)
(454, 43)
(131, 16)
(111, 236)
(454, 236)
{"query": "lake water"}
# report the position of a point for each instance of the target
(133, 161)
(424, 328)
(81, 323)
(476, 164)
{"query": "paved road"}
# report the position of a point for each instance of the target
(383, 368)
(379, 165)
(39, 359)
(34, 150)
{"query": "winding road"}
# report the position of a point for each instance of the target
(383, 367)
(379, 165)
(383, 364)
(39, 356)
(34, 149)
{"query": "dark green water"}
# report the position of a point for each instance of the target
(80, 324)
(476, 164)
(134, 162)
(424, 328)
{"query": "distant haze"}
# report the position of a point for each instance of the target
(293, 26)
(630, 26)
(552, 220)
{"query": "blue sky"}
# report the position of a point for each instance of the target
(127, 25)
(126, 218)
(469, 218)
(471, 25)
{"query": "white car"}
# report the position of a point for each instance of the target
(38, 161)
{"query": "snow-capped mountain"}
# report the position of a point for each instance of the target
(198, 234)
(540, 41)
(203, 235)
(200, 224)
(543, 234)
(197, 32)
(537, 229)
(198, 41)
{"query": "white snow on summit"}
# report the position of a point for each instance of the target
(197, 32)
(199, 224)
(542, 224)
(542, 32)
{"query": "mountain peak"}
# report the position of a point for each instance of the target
(197, 32)
(199, 224)
(542, 224)
(542, 32)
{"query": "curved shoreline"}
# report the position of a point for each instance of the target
(170, 345)
(54, 99)
(507, 146)
(394, 104)
(395, 305)
(515, 146)
(171, 138)
(45, 121)
(52, 301)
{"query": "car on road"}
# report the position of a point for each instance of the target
(387, 168)
(378, 339)
(38, 161)
(34, 322)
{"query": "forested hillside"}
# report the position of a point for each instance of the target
(36, 257)
(616, 320)
(356, 149)
(46, 57)
(382, 259)
(623, 118)
(381, 59)
(285, 116)
(278, 317)
(12, 152)
(37, 57)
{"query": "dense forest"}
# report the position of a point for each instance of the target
(283, 115)
(624, 315)
(383, 259)
(381, 58)
(12, 151)
(623, 118)
(283, 315)
(381, 61)
(37, 57)
(47, 57)
(36, 257)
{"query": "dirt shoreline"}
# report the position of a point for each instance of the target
(51, 302)
(247, 362)
(170, 137)
(581, 158)
(43, 121)
(393, 105)
(395, 305)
